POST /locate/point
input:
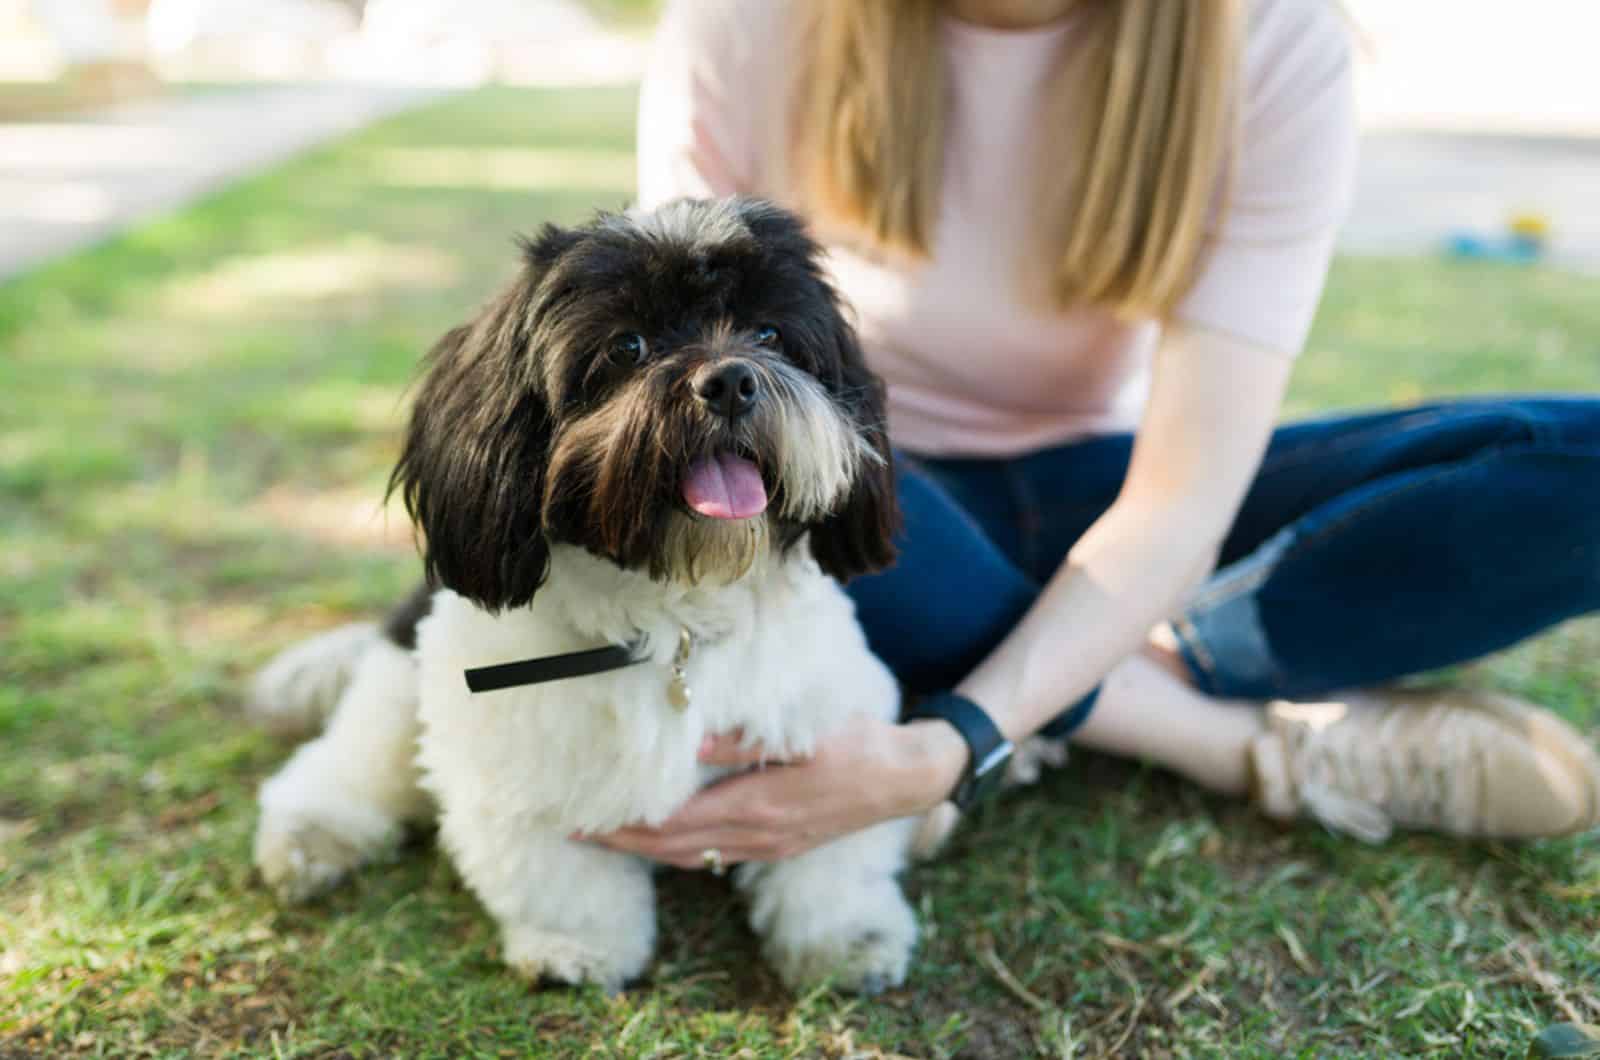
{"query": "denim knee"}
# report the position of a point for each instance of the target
(1555, 421)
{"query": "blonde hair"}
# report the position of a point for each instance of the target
(1135, 135)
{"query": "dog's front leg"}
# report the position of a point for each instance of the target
(344, 798)
(837, 913)
(567, 910)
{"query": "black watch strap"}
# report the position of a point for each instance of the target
(989, 750)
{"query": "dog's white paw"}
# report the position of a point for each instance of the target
(1032, 757)
(542, 955)
(859, 941)
(934, 829)
(301, 856)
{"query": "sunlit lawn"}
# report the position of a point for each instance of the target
(195, 424)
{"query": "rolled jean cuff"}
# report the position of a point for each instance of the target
(1226, 651)
(1067, 722)
(1221, 636)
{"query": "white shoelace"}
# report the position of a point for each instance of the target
(1362, 779)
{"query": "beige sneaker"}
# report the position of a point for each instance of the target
(1467, 763)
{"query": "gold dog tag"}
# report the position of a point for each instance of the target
(678, 691)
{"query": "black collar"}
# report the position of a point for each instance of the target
(555, 667)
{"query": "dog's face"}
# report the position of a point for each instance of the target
(675, 391)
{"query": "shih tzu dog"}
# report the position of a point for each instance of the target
(637, 474)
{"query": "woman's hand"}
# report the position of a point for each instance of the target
(867, 772)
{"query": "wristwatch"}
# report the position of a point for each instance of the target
(989, 750)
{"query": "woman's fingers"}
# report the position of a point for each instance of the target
(687, 850)
(738, 817)
(728, 749)
(767, 814)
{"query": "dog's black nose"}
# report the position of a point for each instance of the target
(728, 388)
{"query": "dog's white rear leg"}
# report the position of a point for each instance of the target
(837, 913)
(343, 799)
(568, 910)
(297, 691)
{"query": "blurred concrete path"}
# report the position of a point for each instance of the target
(1473, 112)
(66, 184)
(1416, 187)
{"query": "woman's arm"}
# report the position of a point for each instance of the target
(1213, 404)
(1212, 408)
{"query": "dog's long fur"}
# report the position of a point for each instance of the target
(545, 469)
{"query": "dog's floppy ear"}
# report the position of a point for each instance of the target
(472, 466)
(858, 538)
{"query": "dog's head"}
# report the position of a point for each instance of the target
(676, 391)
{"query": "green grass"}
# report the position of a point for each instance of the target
(196, 423)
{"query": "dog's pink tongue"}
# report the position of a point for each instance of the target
(725, 487)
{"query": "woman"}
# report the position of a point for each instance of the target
(1085, 240)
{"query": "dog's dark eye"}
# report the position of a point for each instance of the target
(631, 346)
(768, 336)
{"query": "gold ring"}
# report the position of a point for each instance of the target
(711, 858)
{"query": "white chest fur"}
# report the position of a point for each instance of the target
(777, 654)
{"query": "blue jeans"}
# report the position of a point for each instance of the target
(1369, 547)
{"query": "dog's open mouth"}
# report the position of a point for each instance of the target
(725, 485)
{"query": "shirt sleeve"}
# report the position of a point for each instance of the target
(1289, 183)
(693, 135)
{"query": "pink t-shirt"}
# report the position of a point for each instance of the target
(972, 367)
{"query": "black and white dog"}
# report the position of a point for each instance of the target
(660, 438)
